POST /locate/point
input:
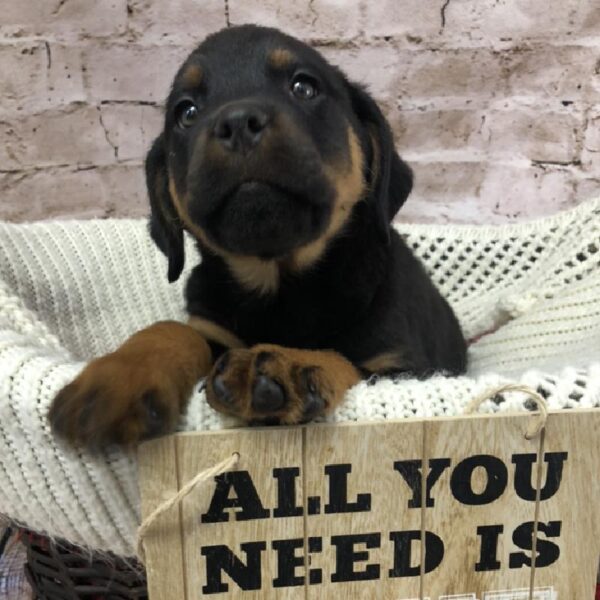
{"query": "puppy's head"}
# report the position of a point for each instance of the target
(265, 151)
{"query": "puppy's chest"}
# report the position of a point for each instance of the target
(287, 321)
(302, 313)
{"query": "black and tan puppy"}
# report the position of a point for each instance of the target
(286, 175)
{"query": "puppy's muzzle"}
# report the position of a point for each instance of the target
(241, 127)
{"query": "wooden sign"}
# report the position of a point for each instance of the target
(450, 508)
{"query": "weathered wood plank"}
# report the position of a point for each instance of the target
(260, 451)
(476, 508)
(572, 513)
(163, 546)
(370, 451)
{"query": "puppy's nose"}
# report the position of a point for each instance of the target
(241, 127)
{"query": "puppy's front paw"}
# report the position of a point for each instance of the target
(113, 401)
(275, 385)
(135, 393)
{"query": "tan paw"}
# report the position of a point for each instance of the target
(135, 393)
(275, 385)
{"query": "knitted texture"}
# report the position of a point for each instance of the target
(529, 295)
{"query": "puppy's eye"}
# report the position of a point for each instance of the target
(186, 114)
(304, 87)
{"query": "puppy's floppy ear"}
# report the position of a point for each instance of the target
(165, 226)
(392, 178)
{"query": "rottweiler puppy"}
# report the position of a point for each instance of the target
(285, 173)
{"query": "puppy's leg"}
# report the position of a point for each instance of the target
(276, 385)
(136, 392)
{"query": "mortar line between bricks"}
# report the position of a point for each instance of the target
(395, 41)
(59, 7)
(48, 55)
(226, 7)
(443, 13)
(71, 167)
(114, 146)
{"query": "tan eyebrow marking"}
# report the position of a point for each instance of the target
(192, 76)
(280, 58)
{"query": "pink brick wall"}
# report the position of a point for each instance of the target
(495, 103)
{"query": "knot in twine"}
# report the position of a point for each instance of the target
(536, 424)
(190, 486)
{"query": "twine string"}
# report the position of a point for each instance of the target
(188, 488)
(536, 424)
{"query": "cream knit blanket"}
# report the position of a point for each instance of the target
(73, 290)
